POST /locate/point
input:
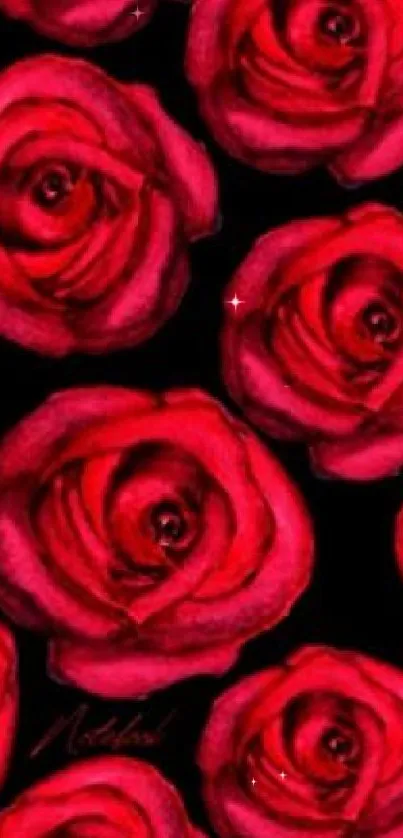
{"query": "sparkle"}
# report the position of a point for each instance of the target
(283, 775)
(254, 782)
(137, 13)
(235, 302)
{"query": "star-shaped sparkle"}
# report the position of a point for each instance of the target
(235, 302)
(137, 13)
(254, 782)
(283, 775)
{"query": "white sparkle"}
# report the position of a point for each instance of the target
(235, 302)
(283, 775)
(254, 782)
(137, 13)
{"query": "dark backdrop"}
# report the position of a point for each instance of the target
(356, 598)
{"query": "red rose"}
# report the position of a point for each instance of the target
(314, 350)
(149, 536)
(8, 697)
(99, 194)
(82, 23)
(106, 797)
(289, 84)
(311, 748)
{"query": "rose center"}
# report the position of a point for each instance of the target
(54, 186)
(168, 525)
(341, 27)
(339, 745)
(83, 828)
(380, 323)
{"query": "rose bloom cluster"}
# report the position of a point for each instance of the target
(149, 537)
(309, 747)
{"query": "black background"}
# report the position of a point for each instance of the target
(356, 597)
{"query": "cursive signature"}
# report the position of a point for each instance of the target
(110, 735)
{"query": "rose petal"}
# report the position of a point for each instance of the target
(126, 796)
(81, 23)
